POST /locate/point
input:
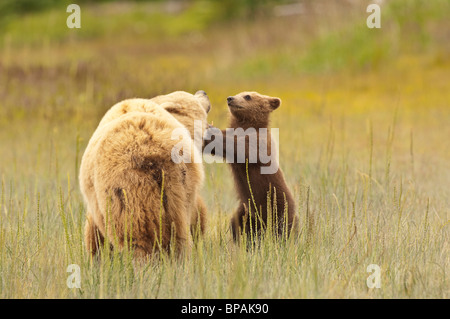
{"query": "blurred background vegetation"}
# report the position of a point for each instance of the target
(208, 41)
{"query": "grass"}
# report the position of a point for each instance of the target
(363, 145)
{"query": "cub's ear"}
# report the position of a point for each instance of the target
(275, 103)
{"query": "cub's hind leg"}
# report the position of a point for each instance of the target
(238, 222)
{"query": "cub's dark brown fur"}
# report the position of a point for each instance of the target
(263, 197)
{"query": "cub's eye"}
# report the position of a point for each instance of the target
(248, 97)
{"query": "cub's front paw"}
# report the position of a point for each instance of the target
(211, 132)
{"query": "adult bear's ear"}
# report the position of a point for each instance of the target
(204, 100)
(275, 103)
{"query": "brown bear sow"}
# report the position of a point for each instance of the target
(135, 193)
(265, 199)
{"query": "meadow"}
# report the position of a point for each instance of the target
(364, 145)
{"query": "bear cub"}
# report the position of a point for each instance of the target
(265, 198)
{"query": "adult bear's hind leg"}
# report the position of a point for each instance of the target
(198, 223)
(92, 237)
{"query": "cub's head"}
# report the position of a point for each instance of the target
(252, 106)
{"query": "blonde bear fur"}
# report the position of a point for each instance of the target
(134, 192)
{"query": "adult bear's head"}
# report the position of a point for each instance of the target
(188, 109)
